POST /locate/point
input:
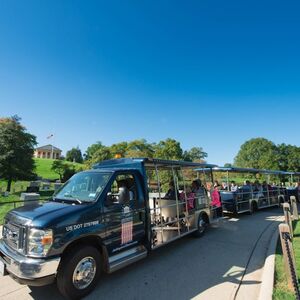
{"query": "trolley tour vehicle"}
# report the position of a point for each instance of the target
(253, 194)
(104, 219)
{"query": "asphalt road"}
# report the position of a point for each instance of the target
(212, 267)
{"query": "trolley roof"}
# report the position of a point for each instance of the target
(150, 163)
(242, 170)
(292, 173)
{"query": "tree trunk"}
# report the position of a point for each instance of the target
(8, 185)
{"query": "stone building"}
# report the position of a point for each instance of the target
(47, 152)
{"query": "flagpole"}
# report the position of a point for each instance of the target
(49, 137)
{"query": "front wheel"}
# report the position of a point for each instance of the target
(79, 272)
(201, 226)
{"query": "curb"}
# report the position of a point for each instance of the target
(267, 285)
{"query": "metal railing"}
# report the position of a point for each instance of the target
(6, 206)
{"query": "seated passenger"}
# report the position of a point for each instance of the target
(246, 190)
(233, 186)
(171, 193)
(216, 201)
(224, 186)
(199, 190)
(123, 194)
(189, 196)
(131, 187)
(257, 189)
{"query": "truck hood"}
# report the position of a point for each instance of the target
(46, 214)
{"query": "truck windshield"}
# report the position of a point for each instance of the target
(83, 187)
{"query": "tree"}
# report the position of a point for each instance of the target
(168, 149)
(118, 149)
(195, 154)
(74, 155)
(68, 173)
(288, 157)
(90, 151)
(58, 166)
(63, 169)
(16, 151)
(139, 148)
(258, 153)
(228, 165)
(101, 154)
(282, 156)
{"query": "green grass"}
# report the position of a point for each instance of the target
(43, 168)
(19, 186)
(281, 291)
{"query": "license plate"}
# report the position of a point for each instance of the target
(2, 268)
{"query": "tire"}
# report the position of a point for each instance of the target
(253, 207)
(201, 226)
(74, 265)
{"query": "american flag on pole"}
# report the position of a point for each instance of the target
(126, 235)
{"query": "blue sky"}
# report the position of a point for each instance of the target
(208, 73)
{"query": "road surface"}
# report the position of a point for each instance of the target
(207, 268)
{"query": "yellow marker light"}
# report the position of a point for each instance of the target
(46, 240)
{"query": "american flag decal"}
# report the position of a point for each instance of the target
(126, 236)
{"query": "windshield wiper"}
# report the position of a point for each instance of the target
(68, 200)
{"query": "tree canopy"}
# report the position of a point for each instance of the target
(261, 153)
(258, 153)
(74, 155)
(194, 154)
(16, 151)
(165, 149)
(63, 169)
(288, 157)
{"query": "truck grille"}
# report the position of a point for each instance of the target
(13, 236)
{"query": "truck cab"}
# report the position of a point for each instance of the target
(102, 220)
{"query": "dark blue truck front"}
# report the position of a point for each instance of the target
(76, 234)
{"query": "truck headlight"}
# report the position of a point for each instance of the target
(39, 242)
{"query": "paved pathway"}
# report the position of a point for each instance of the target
(207, 268)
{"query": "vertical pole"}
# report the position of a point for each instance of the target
(294, 208)
(287, 217)
(176, 197)
(160, 212)
(205, 187)
(268, 193)
(227, 181)
(186, 200)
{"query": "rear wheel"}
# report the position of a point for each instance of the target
(201, 225)
(79, 272)
(253, 207)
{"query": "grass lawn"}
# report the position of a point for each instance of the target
(281, 291)
(43, 168)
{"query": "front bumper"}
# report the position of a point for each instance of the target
(25, 270)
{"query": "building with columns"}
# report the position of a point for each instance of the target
(47, 152)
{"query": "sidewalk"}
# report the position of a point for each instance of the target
(244, 283)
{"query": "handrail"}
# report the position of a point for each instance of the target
(22, 201)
